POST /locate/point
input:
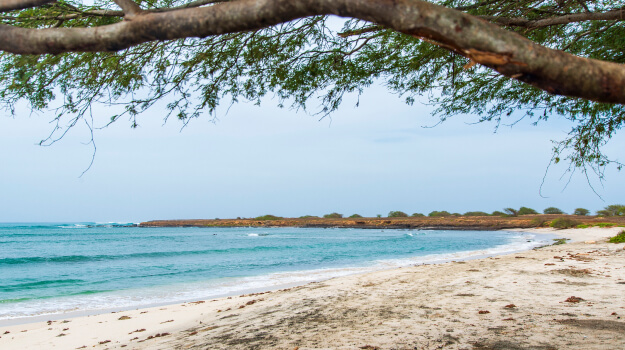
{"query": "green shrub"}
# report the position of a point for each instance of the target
(564, 223)
(581, 212)
(379, 215)
(308, 217)
(439, 214)
(612, 210)
(333, 216)
(539, 222)
(604, 224)
(552, 210)
(559, 241)
(355, 216)
(417, 215)
(527, 211)
(475, 213)
(620, 238)
(268, 217)
(397, 214)
(498, 213)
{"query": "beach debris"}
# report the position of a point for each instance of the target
(590, 242)
(66, 321)
(135, 338)
(64, 329)
(508, 319)
(197, 302)
(104, 342)
(157, 335)
(519, 257)
(138, 330)
(61, 335)
(143, 312)
(549, 264)
(573, 299)
(167, 321)
(482, 312)
(49, 322)
(82, 347)
(369, 347)
(193, 333)
(7, 332)
(510, 306)
(124, 318)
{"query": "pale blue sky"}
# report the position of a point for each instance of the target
(265, 160)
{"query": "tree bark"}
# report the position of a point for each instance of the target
(506, 52)
(10, 5)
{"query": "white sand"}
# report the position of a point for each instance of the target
(515, 301)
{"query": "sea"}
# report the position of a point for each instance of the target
(63, 268)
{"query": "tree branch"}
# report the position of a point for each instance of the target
(614, 15)
(506, 52)
(10, 5)
(129, 7)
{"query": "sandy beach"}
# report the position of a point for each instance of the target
(568, 296)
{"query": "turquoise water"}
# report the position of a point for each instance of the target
(55, 268)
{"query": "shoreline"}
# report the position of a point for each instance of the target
(370, 297)
(285, 279)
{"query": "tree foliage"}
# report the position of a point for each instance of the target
(437, 213)
(527, 211)
(475, 213)
(552, 210)
(397, 214)
(581, 211)
(311, 64)
(612, 210)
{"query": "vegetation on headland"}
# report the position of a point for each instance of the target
(268, 217)
(411, 222)
(610, 216)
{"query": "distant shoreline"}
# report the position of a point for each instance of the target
(481, 223)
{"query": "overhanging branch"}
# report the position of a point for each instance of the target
(11, 5)
(503, 51)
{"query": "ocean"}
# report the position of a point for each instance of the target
(52, 268)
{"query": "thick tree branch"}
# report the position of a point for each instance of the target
(486, 43)
(10, 5)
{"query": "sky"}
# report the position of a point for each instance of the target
(369, 160)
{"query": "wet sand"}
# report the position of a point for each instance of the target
(568, 296)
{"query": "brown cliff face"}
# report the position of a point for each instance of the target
(450, 223)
